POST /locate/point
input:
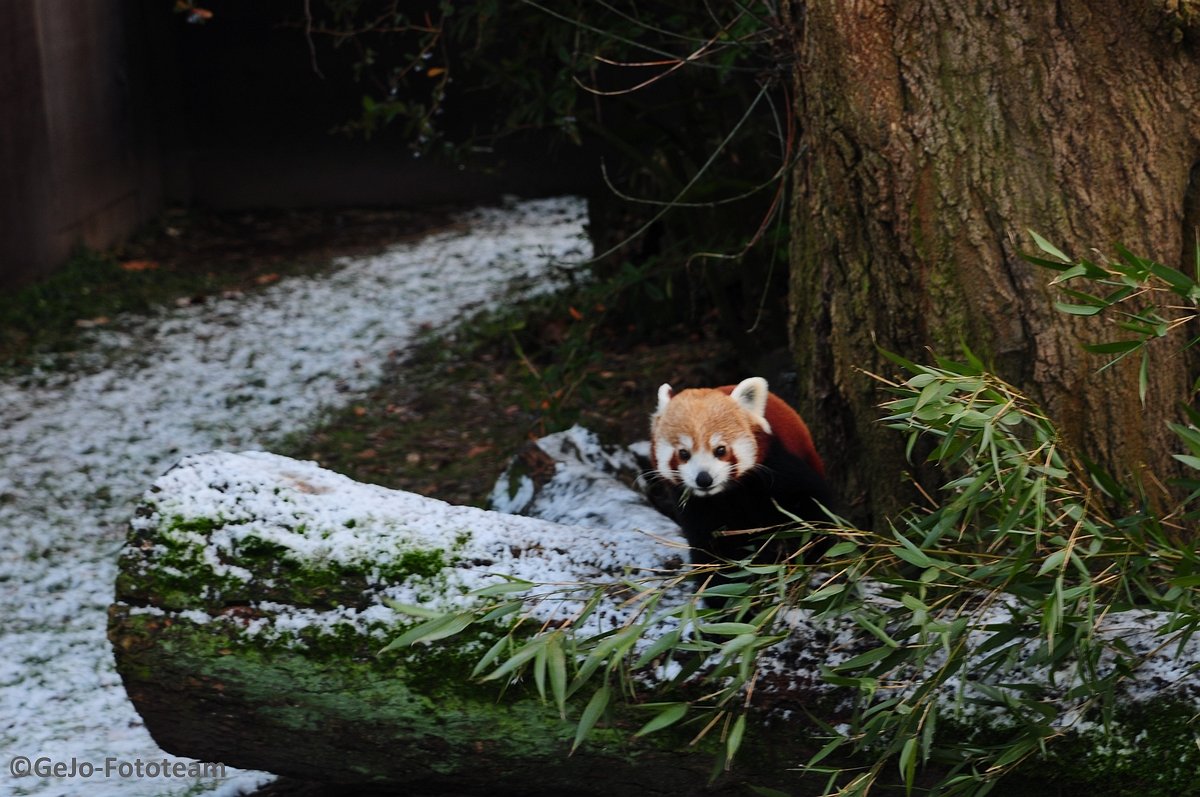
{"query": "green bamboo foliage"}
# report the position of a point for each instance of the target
(1145, 300)
(988, 600)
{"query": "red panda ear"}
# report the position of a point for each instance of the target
(664, 395)
(752, 395)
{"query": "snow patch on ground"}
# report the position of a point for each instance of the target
(78, 447)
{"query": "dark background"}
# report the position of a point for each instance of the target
(112, 112)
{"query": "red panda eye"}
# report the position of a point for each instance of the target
(684, 455)
(719, 452)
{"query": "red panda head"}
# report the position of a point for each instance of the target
(706, 438)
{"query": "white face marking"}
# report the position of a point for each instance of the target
(746, 452)
(663, 451)
(705, 462)
(698, 462)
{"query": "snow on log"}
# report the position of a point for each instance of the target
(252, 607)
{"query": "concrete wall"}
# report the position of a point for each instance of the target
(80, 154)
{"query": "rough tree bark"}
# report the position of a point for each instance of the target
(937, 134)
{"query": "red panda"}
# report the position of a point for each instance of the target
(734, 455)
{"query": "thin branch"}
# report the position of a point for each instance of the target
(308, 36)
(695, 178)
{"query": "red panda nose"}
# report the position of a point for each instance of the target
(703, 480)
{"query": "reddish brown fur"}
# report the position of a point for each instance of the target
(789, 429)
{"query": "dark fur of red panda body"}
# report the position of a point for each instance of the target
(786, 474)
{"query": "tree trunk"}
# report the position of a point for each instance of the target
(249, 624)
(936, 135)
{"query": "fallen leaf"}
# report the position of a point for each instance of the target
(266, 279)
(139, 265)
(475, 451)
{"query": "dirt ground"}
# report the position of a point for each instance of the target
(247, 248)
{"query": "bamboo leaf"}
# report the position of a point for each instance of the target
(1076, 309)
(1048, 247)
(489, 657)
(877, 632)
(1180, 283)
(557, 666)
(412, 609)
(727, 629)
(1189, 434)
(738, 643)
(1053, 562)
(672, 713)
(824, 592)
(1088, 299)
(1067, 269)
(591, 713)
(729, 590)
(503, 610)
(503, 588)
(844, 548)
(863, 659)
(1189, 460)
(908, 763)
(911, 553)
(734, 740)
(524, 654)
(1144, 377)
(539, 669)
(660, 646)
(438, 628)
(830, 746)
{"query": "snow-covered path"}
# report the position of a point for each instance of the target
(77, 449)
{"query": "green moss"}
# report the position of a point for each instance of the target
(419, 563)
(167, 566)
(328, 690)
(420, 708)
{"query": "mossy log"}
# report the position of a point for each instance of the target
(250, 618)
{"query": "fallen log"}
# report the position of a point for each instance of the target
(254, 611)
